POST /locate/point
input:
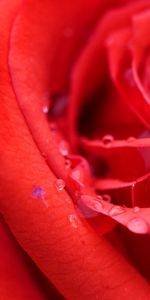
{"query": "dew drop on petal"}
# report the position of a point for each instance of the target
(132, 194)
(136, 209)
(63, 148)
(131, 139)
(73, 219)
(97, 205)
(86, 211)
(138, 225)
(60, 184)
(107, 140)
(38, 192)
(45, 109)
(92, 203)
(116, 210)
(68, 163)
(106, 198)
(99, 197)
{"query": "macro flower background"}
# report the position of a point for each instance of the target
(74, 145)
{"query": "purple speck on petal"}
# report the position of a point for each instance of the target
(38, 192)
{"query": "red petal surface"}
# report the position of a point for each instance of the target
(135, 152)
(16, 277)
(36, 66)
(135, 219)
(49, 228)
(53, 233)
(90, 72)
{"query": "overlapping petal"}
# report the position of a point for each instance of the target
(38, 210)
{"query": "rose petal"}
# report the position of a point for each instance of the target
(16, 276)
(135, 152)
(135, 219)
(32, 79)
(122, 74)
(52, 234)
(137, 247)
(48, 228)
(140, 51)
(90, 71)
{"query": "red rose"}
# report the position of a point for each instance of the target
(74, 148)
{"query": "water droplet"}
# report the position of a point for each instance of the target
(116, 210)
(132, 194)
(63, 148)
(60, 184)
(99, 197)
(38, 192)
(107, 140)
(97, 205)
(131, 139)
(68, 163)
(106, 198)
(92, 203)
(45, 109)
(73, 219)
(138, 225)
(86, 210)
(136, 209)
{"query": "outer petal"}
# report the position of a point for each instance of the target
(36, 66)
(53, 234)
(17, 277)
(49, 229)
(135, 219)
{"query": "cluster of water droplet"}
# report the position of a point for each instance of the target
(116, 210)
(107, 140)
(63, 148)
(106, 198)
(135, 224)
